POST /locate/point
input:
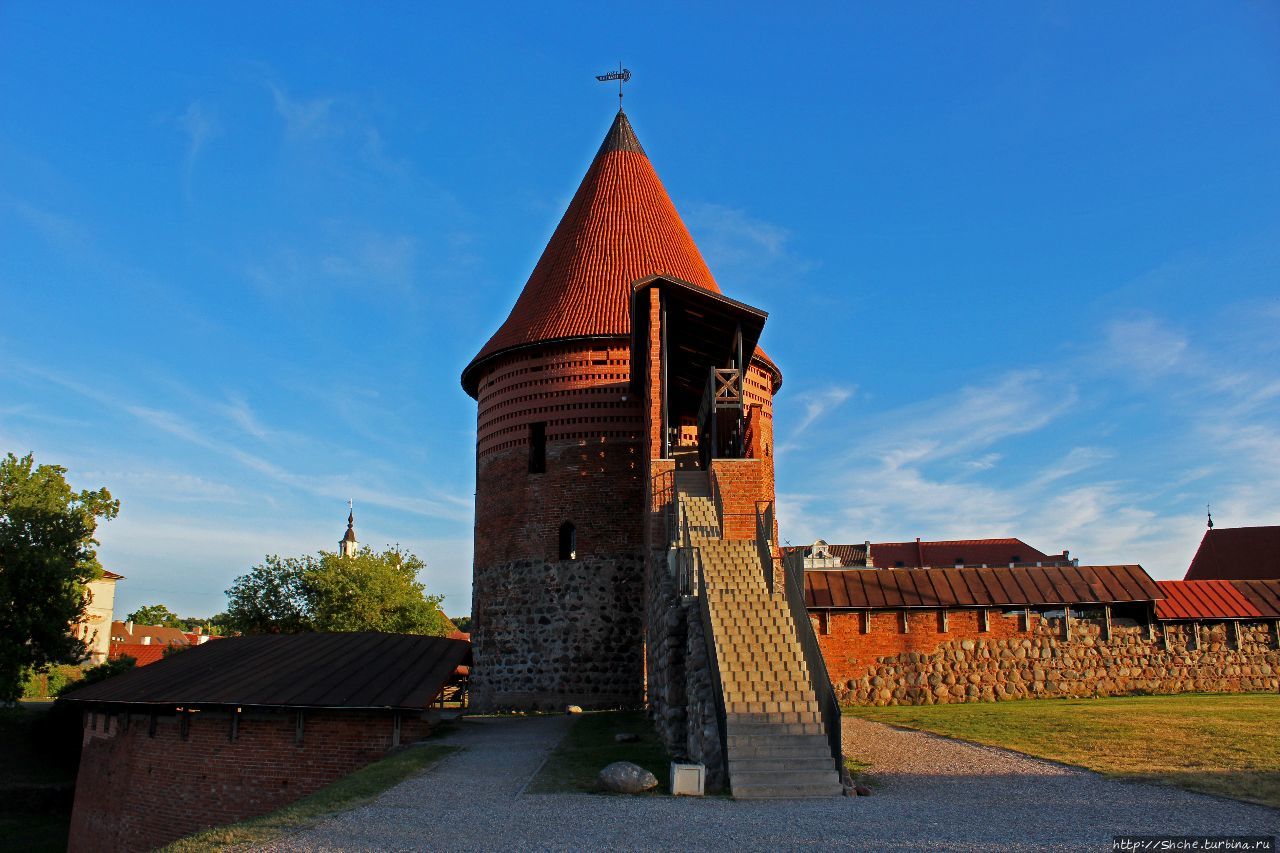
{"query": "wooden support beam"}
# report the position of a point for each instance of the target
(234, 731)
(1106, 621)
(1066, 621)
(866, 622)
(943, 622)
(1026, 618)
(906, 624)
(1193, 642)
(297, 728)
(984, 619)
(1235, 632)
(395, 726)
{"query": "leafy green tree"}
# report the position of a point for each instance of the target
(370, 591)
(463, 623)
(47, 555)
(271, 598)
(155, 614)
(101, 672)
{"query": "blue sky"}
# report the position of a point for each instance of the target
(1021, 260)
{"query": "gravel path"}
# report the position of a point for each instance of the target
(934, 794)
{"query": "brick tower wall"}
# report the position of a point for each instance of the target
(548, 632)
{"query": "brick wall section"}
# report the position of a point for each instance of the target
(137, 792)
(926, 666)
(549, 632)
(740, 483)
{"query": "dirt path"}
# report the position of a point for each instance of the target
(934, 794)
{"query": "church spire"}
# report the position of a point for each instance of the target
(348, 545)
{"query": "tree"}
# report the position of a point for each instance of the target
(155, 614)
(271, 599)
(463, 623)
(328, 592)
(47, 557)
(101, 672)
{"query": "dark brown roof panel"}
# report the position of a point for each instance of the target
(1263, 595)
(360, 670)
(888, 589)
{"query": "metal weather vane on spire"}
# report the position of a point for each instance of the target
(622, 75)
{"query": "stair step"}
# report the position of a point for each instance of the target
(787, 792)
(816, 765)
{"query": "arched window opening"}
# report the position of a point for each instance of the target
(568, 541)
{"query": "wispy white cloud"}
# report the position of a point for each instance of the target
(738, 245)
(302, 117)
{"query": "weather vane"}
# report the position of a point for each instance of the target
(622, 75)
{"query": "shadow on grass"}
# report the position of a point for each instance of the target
(590, 746)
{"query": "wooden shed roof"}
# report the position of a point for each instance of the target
(358, 670)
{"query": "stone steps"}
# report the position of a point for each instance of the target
(777, 746)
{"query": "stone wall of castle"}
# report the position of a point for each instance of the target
(549, 633)
(925, 665)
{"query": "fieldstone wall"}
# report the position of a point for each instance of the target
(1041, 663)
(547, 634)
(680, 691)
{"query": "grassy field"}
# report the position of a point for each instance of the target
(348, 792)
(1220, 744)
(590, 746)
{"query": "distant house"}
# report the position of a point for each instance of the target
(95, 628)
(1237, 553)
(229, 730)
(147, 644)
(946, 553)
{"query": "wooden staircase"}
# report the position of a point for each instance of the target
(776, 744)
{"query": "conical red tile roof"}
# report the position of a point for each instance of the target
(620, 227)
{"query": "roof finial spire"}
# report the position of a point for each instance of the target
(348, 545)
(622, 75)
(1209, 512)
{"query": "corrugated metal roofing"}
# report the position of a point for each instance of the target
(974, 587)
(1237, 553)
(1203, 600)
(1263, 595)
(620, 227)
(360, 670)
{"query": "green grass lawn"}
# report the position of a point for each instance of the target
(347, 793)
(589, 747)
(1226, 744)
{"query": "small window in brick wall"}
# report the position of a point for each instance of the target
(538, 448)
(568, 541)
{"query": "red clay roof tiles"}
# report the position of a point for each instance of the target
(621, 226)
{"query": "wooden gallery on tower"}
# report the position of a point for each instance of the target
(625, 545)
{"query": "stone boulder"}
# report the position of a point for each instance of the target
(573, 709)
(627, 778)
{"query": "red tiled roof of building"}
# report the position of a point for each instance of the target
(973, 552)
(111, 576)
(160, 635)
(1203, 600)
(1237, 553)
(620, 227)
(144, 654)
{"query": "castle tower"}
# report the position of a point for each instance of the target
(565, 438)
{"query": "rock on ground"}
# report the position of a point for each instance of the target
(627, 778)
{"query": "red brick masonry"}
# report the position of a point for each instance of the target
(137, 790)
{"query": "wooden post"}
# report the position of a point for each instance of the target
(1106, 621)
(1026, 618)
(1235, 631)
(866, 622)
(1151, 625)
(297, 728)
(235, 725)
(1066, 622)
(984, 619)
(395, 728)
(906, 625)
(1275, 632)
(1193, 642)
(942, 620)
